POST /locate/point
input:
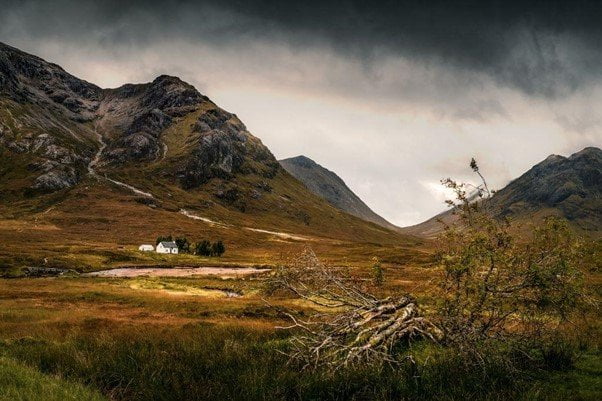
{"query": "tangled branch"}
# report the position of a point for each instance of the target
(351, 326)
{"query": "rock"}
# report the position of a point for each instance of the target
(44, 271)
(264, 186)
(56, 179)
(42, 140)
(217, 154)
(170, 92)
(60, 154)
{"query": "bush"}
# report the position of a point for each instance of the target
(203, 248)
(218, 249)
(161, 238)
(183, 244)
(378, 276)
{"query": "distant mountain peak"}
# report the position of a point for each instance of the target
(328, 185)
(590, 151)
(570, 187)
(302, 161)
(554, 157)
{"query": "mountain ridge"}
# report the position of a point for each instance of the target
(328, 185)
(568, 187)
(122, 165)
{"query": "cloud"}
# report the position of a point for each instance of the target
(547, 49)
(388, 94)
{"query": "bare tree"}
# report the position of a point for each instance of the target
(350, 326)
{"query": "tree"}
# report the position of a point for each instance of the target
(218, 249)
(351, 326)
(203, 248)
(161, 238)
(495, 286)
(498, 285)
(183, 244)
(378, 277)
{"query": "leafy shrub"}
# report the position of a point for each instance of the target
(183, 244)
(218, 248)
(203, 248)
(168, 238)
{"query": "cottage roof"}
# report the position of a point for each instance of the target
(168, 244)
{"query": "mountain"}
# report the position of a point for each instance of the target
(83, 164)
(331, 187)
(568, 187)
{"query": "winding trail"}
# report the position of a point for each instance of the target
(280, 234)
(203, 219)
(95, 161)
(96, 157)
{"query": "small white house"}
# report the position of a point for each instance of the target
(146, 248)
(167, 247)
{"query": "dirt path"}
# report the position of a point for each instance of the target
(203, 219)
(95, 161)
(96, 157)
(280, 234)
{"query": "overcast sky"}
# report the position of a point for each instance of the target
(391, 95)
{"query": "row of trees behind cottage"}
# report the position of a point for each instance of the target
(202, 248)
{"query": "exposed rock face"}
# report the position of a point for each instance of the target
(149, 110)
(331, 187)
(220, 150)
(224, 148)
(24, 77)
(56, 179)
(141, 140)
(57, 119)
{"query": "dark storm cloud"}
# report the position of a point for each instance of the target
(543, 48)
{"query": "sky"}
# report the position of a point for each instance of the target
(393, 96)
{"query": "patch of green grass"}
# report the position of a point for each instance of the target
(583, 383)
(21, 383)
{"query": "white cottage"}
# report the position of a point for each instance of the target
(146, 248)
(167, 247)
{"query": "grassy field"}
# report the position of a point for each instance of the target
(95, 226)
(174, 339)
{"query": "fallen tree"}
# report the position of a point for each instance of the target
(496, 288)
(351, 326)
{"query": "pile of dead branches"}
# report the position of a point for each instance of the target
(350, 326)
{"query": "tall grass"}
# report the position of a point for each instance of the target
(22, 383)
(210, 363)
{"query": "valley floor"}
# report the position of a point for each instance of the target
(157, 338)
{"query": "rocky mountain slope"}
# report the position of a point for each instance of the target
(331, 187)
(569, 187)
(127, 164)
(60, 121)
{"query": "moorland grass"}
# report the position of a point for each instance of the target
(23, 383)
(133, 343)
(206, 362)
